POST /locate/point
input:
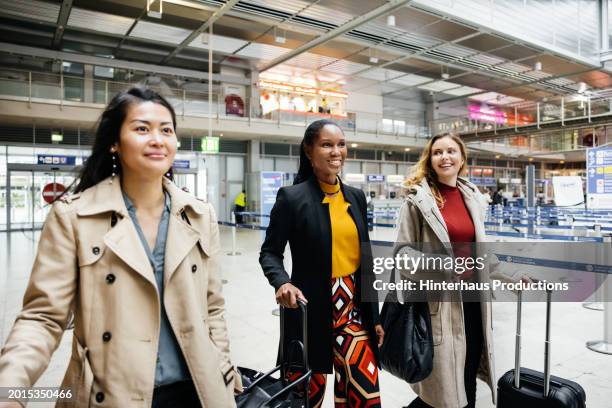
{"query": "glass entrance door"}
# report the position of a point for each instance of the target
(185, 178)
(26, 207)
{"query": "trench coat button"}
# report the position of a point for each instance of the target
(95, 250)
(106, 337)
(99, 396)
(110, 278)
(194, 268)
(113, 220)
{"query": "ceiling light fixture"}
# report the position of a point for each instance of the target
(582, 87)
(354, 145)
(531, 159)
(374, 60)
(153, 13)
(445, 74)
(407, 149)
(497, 156)
(537, 66)
(391, 20)
(279, 38)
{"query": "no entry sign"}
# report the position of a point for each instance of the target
(51, 191)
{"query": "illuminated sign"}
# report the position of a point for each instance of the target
(210, 145)
(299, 89)
(485, 113)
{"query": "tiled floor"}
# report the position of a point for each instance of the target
(254, 329)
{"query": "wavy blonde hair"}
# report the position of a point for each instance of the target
(424, 170)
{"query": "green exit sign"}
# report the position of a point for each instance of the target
(210, 145)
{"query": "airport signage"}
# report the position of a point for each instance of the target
(376, 178)
(210, 145)
(181, 164)
(489, 181)
(270, 182)
(599, 177)
(51, 191)
(568, 191)
(55, 159)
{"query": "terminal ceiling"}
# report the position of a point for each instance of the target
(366, 55)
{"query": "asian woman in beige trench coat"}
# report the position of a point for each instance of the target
(444, 159)
(92, 263)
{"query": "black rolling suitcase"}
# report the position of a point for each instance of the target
(263, 390)
(525, 388)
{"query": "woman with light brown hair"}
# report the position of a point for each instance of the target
(442, 210)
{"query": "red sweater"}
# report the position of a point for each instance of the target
(459, 224)
(456, 215)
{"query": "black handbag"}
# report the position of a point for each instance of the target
(407, 349)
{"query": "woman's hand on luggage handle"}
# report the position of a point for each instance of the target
(380, 333)
(287, 295)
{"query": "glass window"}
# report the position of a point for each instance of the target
(104, 72)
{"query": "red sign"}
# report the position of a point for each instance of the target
(51, 191)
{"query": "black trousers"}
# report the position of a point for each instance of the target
(176, 395)
(238, 208)
(474, 342)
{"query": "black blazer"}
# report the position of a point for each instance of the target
(300, 218)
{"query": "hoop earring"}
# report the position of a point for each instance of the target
(114, 171)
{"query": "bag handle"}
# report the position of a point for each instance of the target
(547, 343)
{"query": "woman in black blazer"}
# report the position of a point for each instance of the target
(326, 225)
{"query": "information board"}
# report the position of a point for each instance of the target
(270, 182)
(599, 177)
(55, 159)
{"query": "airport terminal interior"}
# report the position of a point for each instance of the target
(526, 84)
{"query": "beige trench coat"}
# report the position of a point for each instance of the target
(91, 262)
(422, 221)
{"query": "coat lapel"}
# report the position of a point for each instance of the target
(353, 210)
(474, 208)
(182, 237)
(426, 203)
(124, 241)
(323, 219)
(183, 234)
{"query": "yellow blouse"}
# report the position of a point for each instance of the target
(346, 255)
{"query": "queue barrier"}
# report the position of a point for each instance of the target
(600, 346)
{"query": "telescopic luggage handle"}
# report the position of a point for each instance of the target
(304, 312)
(517, 351)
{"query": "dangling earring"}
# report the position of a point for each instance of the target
(114, 172)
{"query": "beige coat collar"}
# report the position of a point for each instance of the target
(422, 197)
(123, 239)
(107, 197)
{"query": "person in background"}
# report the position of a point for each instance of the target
(240, 206)
(134, 259)
(487, 196)
(326, 225)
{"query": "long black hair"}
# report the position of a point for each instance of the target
(100, 164)
(310, 136)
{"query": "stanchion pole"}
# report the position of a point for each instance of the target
(597, 303)
(233, 220)
(374, 222)
(605, 346)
